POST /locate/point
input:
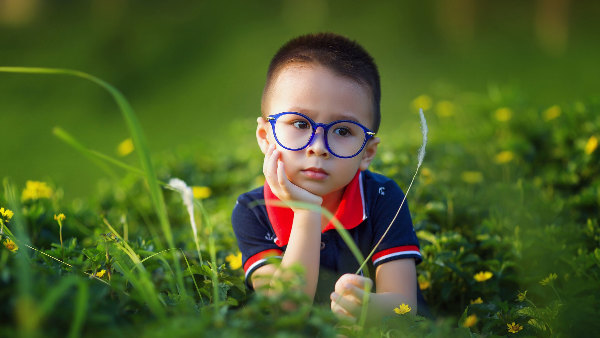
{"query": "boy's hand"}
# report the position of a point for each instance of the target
(282, 187)
(347, 299)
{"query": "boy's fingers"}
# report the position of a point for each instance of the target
(343, 315)
(344, 305)
(267, 160)
(280, 184)
(365, 283)
(353, 279)
(341, 282)
(275, 175)
(285, 185)
(281, 177)
(356, 292)
(348, 302)
(270, 167)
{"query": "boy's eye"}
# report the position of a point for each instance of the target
(301, 124)
(342, 131)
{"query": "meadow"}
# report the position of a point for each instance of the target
(506, 212)
(94, 241)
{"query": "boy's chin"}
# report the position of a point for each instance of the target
(315, 189)
(310, 188)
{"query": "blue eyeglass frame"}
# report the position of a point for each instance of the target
(273, 119)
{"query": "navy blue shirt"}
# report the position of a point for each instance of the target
(369, 203)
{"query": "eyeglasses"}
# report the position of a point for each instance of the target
(343, 138)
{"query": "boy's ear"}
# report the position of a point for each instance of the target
(369, 153)
(262, 134)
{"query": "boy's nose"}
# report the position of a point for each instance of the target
(317, 146)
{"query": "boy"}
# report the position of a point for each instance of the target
(320, 112)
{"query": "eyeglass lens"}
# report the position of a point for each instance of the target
(294, 132)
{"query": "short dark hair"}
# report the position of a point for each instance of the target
(339, 54)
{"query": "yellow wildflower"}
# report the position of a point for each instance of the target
(235, 261)
(424, 284)
(100, 273)
(422, 101)
(514, 328)
(472, 177)
(444, 109)
(551, 277)
(35, 190)
(7, 214)
(552, 113)
(503, 114)
(591, 145)
(201, 192)
(125, 148)
(504, 157)
(477, 301)
(10, 245)
(402, 309)
(482, 276)
(60, 217)
(521, 296)
(470, 321)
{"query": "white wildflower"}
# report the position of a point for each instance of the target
(188, 199)
(424, 131)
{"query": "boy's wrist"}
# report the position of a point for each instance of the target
(308, 216)
(314, 206)
(307, 213)
(307, 220)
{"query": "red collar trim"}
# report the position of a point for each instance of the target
(350, 212)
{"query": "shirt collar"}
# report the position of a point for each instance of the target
(351, 211)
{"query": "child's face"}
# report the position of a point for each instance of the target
(324, 96)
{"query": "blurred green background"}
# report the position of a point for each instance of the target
(194, 70)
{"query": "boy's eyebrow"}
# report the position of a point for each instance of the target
(338, 116)
(299, 110)
(343, 116)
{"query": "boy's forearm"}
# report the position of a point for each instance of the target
(304, 248)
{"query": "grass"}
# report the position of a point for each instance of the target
(489, 227)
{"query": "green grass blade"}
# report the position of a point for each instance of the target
(93, 155)
(81, 305)
(27, 325)
(24, 286)
(98, 158)
(146, 289)
(213, 258)
(192, 274)
(140, 145)
(142, 280)
(64, 136)
(57, 292)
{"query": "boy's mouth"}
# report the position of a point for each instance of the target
(315, 173)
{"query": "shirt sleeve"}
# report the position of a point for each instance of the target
(254, 236)
(401, 240)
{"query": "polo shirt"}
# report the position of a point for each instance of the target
(369, 203)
